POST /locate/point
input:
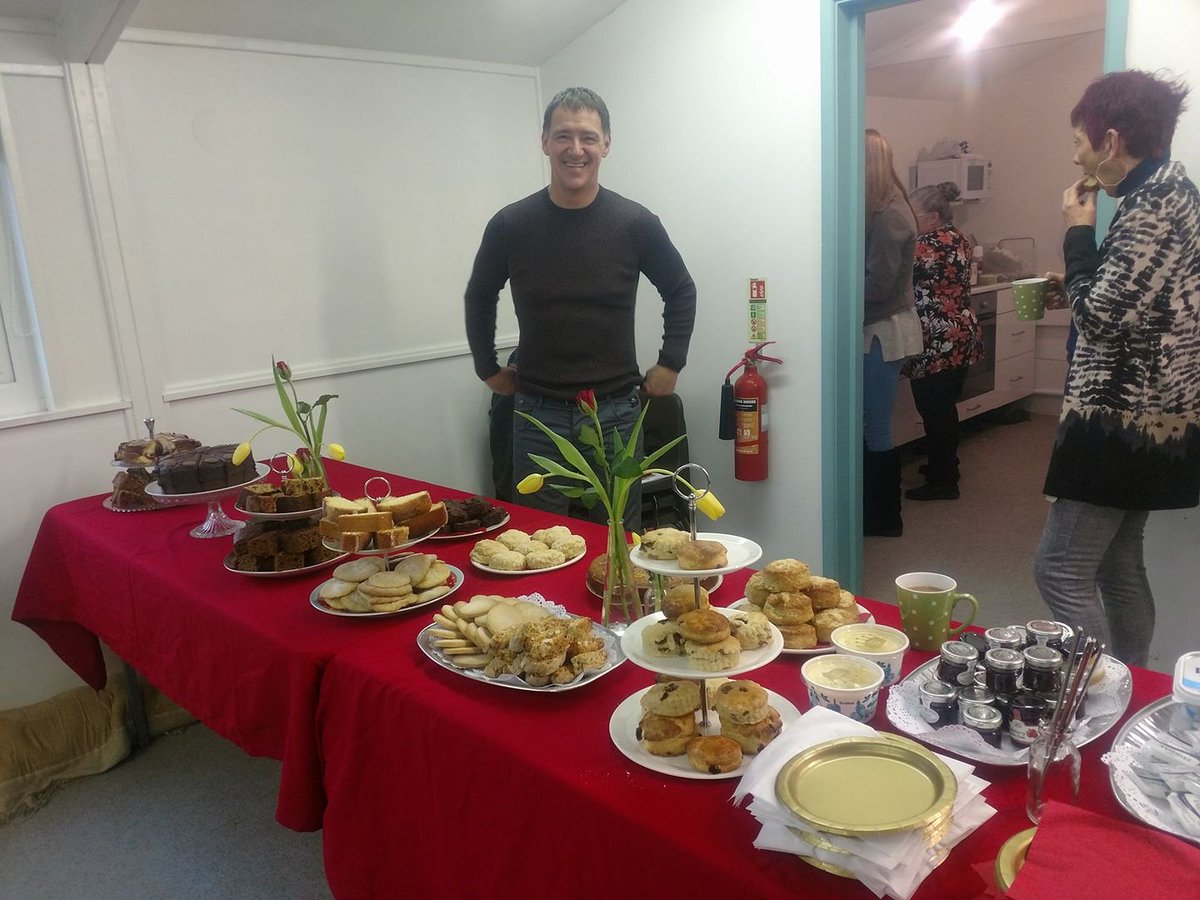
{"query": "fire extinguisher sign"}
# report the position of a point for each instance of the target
(757, 294)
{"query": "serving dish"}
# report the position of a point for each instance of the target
(286, 573)
(710, 584)
(864, 615)
(570, 562)
(740, 552)
(1145, 726)
(314, 598)
(108, 504)
(1110, 697)
(611, 644)
(155, 491)
(312, 513)
(622, 728)
(455, 535)
(679, 667)
(387, 551)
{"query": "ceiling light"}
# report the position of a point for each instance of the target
(974, 23)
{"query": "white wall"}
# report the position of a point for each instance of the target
(1160, 39)
(910, 125)
(715, 120)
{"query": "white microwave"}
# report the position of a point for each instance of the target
(972, 174)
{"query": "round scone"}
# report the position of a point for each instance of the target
(703, 626)
(788, 609)
(672, 698)
(666, 735)
(847, 601)
(697, 555)
(529, 547)
(741, 702)
(507, 560)
(544, 559)
(713, 657)
(714, 754)
(570, 546)
(711, 685)
(512, 538)
(755, 736)
(751, 628)
(549, 535)
(828, 619)
(664, 543)
(486, 549)
(825, 593)
(662, 639)
(756, 589)
(798, 637)
(682, 598)
(786, 575)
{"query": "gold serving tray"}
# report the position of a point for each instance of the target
(864, 786)
(1012, 857)
(829, 867)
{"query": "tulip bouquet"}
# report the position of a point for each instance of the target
(305, 420)
(609, 485)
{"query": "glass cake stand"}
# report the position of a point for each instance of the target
(216, 523)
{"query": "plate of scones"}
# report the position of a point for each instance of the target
(669, 551)
(660, 727)
(806, 608)
(684, 641)
(515, 552)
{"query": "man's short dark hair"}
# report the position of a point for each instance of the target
(575, 99)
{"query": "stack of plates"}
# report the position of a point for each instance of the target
(875, 807)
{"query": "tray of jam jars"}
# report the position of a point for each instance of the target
(986, 696)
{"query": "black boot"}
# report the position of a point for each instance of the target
(881, 494)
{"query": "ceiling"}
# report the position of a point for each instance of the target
(522, 32)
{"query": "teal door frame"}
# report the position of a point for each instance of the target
(843, 98)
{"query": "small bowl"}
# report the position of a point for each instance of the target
(879, 643)
(846, 684)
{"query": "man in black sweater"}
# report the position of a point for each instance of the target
(573, 254)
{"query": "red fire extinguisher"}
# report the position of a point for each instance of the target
(747, 414)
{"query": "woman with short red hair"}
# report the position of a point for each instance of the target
(1128, 439)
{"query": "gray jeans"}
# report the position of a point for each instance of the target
(1091, 573)
(564, 418)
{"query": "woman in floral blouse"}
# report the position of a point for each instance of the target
(952, 337)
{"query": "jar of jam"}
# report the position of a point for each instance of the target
(1006, 638)
(1027, 711)
(985, 720)
(1043, 633)
(1043, 667)
(957, 663)
(939, 703)
(974, 696)
(1002, 670)
(1003, 703)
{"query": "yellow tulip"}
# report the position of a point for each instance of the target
(531, 484)
(637, 539)
(337, 451)
(294, 464)
(710, 506)
(240, 454)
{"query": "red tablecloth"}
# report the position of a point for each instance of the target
(479, 791)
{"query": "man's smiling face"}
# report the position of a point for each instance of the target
(575, 144)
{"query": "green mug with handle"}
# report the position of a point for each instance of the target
(927, 601)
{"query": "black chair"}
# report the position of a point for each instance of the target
(661, 506)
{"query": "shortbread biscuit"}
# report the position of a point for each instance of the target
(437, 574)
(359, 569)
(335, 588)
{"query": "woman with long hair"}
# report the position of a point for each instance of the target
(891, 332)
(1128, 438)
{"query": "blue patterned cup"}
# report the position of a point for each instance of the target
(879, 643)
(845, 684)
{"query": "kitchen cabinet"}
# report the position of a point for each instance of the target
(1010, 347)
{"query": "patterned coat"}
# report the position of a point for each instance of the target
(1129, 434)
(942, 290)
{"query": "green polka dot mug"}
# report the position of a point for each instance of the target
(1029, 298)
(927, 601)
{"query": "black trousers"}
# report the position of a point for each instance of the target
(935, 397)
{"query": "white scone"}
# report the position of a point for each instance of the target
(714, 657)
(506, 560)
(549, 535)
(664, 543)
(544, 559)
(751, 628)
(661, 639)
(486, 549)
(570, 546)
(513, 538)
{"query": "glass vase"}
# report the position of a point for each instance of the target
(622, 602)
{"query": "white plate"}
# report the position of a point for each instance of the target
(1116, 678)
(622, 728)
(570, 562)
(864, 615)
(321, 606)
(741, 552)
(631, 643)
(613, 645)
(284, 516)
(286, 573)
(455, 535)
(203, 496)
(598, 593)
(1143, 727)
(390, 551)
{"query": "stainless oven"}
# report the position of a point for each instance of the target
(981, 376)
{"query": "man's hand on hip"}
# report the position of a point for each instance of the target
(503, 382)
(660, 381)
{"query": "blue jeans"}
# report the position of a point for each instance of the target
(1091, 573)
(564, 418)
(880, 380)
